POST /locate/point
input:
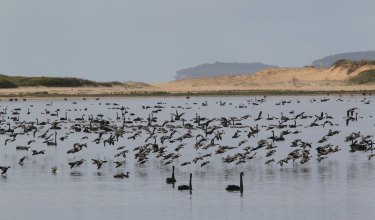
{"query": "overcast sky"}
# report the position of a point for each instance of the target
(148, 40)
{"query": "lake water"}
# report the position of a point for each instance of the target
(339, 187)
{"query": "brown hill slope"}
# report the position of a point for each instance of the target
(306, 78)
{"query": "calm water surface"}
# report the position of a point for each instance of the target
(339, 187)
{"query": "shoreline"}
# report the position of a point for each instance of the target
(157, 93)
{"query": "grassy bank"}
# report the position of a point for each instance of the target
(352, 66)
(21, 81)
(365, 77)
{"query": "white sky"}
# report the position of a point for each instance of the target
(148, 40)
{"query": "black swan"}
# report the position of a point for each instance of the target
(235, 187)
(171, 180)
(186, 187)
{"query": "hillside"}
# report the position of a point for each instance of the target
(337, 77)
(135, 85)
(66, 86)
(22, 81)
(365, 77)
(219, 68)
(354, 56)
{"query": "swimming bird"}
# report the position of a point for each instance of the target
(171, 180)
(259, 116)
(121, 175)
(186, 187)
(232, 188)
(53, 143)
(54, 170)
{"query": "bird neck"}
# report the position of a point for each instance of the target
(241, 183)
(190, 186)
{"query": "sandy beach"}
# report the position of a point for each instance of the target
(274, 80)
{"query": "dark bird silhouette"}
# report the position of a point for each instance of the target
(35, 152)
(351, 118)
(76, 163)
(232, 188)
(350, 112)
(54, 170)
(4, 169)
(119, 163)
(20, 162)
(186, 187)
(98, 163)
(121, 175)
(22, 148)
(171, 180)
(259, 116)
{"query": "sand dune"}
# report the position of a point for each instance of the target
(307, 78)
(294, 79)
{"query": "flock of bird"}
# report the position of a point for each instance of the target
(145, 132)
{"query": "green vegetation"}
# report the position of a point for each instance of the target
(347, 63)
(5, 84)
(135, 85)
(352, 65)
(21, 81)
(365, 77)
